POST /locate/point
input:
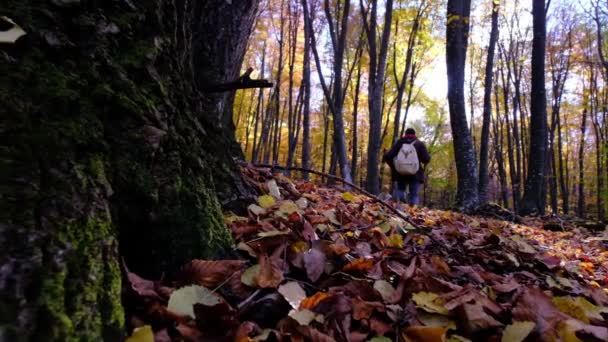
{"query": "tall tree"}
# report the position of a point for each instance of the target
(377, 72)
(580, 209)
(107, 145)
(456, 51)
(338, 30)
(487, 107)
(401, 83)
(533, 200)
(306, 88)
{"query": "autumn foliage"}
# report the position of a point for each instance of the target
(319, 264)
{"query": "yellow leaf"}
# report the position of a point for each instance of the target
(299, 246)
(517, 332)
(289, 207)
(568, 306)
(141, 334)
(349, 196)
(579, 308)
(430, 302)
(230, 217)
(395, 240)
(266, 201)
(249, 276)
(435, 320)
(566, 332)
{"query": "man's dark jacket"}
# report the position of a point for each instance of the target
(423, 158)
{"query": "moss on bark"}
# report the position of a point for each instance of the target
(102, 139)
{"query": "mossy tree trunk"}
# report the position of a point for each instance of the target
(108, 150)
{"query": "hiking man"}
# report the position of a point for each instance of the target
(405, 159)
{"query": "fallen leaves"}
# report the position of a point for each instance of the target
(210, 273)
(424, 334)
(430, 302)
(517, 331)
(317, 264)
(12, 34)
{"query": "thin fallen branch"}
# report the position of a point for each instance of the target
(243, 82)
(373, 197)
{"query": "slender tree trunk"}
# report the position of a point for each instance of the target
(456, 47)
(355, 137)
(306, 82)
(532, 201)
(580, 212)
(258, 112)
(292, 123)
(487, 108)
(401, 84)
(498, 152)
(510, 147)
(325, 134)
(335, 100)
(377, 70)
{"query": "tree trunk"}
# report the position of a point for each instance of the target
(456, 51)
(355, 139)
(498, 151)
(401, 84)
(580, 212)
(258, 112)
(487, 108)
(377, 70)
(306, 110)
(335, 101)
(533, 201)
(109, 141)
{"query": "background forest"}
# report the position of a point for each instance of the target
(350, 76)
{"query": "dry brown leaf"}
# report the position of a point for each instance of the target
(424, 334)
(270, 274)
(210, 273)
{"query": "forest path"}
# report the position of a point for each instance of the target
(325, 265)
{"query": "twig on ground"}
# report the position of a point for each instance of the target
(373, 197)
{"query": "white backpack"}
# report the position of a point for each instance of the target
(406, 162)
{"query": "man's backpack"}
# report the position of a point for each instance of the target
(406, 162)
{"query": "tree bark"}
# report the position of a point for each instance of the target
(580, 212)
(306, 111)
(533, 201)
(377, 71)
(456, 47)
(487, 108)
(355, 138)
(335, 100)
(104, 140)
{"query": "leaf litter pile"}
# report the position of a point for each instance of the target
(316, 264)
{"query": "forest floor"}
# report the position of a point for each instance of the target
(313, 263)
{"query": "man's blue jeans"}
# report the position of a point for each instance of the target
(412, 195)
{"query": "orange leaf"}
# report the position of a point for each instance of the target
(424, 334)
(210, 273)
(359, 264)
(314, 300)
(440, 264)
(339, 248)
